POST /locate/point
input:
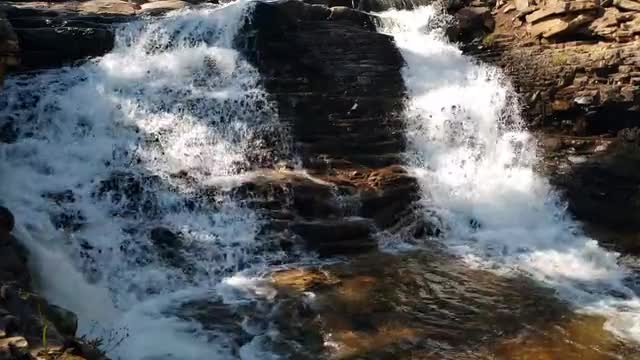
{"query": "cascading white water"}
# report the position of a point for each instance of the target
(111, 149)
(475, 164)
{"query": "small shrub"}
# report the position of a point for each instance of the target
(488, 40)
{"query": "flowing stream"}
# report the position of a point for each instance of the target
(119, 167)
(131, 149)
(475, 162)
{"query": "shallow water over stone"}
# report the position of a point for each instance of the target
(428, 305)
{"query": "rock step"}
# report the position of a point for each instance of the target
(320, 161)
(342, 148)
(324, 72)
(339, 237)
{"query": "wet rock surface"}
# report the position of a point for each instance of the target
(324, 67)
(30, 327)
(38, 35)
(598, 178)
(429, 306)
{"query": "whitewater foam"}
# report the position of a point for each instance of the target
(475, 160)
(140, 138)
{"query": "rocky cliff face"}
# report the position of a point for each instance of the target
(337, 85)
(575, 63)
(576, 66)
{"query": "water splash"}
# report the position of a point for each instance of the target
(474, 160)
(134, 141)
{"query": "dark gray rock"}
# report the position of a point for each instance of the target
(325, 68)
(339, 237)
(603, 191)
(13, 261)
(50, 47)
(165, 238)
(7, 221)
(65, 321)
(471, 23)
(382, 5)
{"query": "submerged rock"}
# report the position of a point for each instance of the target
(7, 221)
(603, 191)
(165, 238)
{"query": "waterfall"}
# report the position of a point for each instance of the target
(119, 173)
(131, 149)
(475, 162)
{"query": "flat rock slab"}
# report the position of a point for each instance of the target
(628, 5)
(558, 26)
(559, 8)
(162, 6)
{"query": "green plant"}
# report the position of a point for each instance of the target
(489, 39)
(45, 326)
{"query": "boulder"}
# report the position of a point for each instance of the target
(607, 24)
(632, 26)
(471, 23)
